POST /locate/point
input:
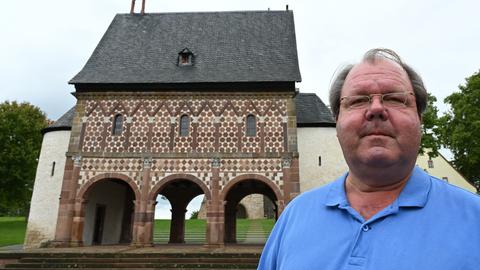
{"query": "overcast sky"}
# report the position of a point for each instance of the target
(45, 43)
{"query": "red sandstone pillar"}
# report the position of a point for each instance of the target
(67, 201)
(177, 225)
(78, 223)
(215, 211)
(143, 235)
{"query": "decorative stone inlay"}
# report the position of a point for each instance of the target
(147, 163)
(216, 162)
(77, 160)
(286, 162)
(161, 116)
(285, 119)
(84, 119)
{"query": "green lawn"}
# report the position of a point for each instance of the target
(195, 230)
(12, 230)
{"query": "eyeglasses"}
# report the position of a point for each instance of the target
(389, 100)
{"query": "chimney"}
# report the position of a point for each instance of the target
(132, 9)
(143, 7)
(287, 7)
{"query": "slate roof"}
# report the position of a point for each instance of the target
(63, 123)
(312, 112)
(242, 46)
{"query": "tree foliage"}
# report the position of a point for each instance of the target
(460, 130)
(20, 142)
(430, 143)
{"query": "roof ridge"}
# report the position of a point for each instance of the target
(207, 12)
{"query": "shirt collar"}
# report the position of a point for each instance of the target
(414, 194)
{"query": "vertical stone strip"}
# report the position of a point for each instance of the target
(151, 122)
(127, 134)
(78, 222)
(239, 133)
(106, 121)
(63, 232)
(216, 124)
(82, 132)
(143, 235)
(261, 124)
(215, 211)
(171, 144)
(194, 144)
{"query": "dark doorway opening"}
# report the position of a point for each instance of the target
(99, 224)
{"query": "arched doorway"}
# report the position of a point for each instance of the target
(109, 213)
(237, 191)
(179, 193)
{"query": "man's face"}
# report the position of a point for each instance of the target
(378, 136)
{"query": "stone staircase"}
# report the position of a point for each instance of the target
(131, 260)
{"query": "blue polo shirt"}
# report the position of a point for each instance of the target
(431, 225)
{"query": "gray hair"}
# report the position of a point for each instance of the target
(372, 56)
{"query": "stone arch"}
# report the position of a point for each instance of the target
(239, 187)
(244, 177)
(175, 177)
(179, 189)
(85, 224)
(83, 192)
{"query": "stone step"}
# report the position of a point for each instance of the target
(82, 265)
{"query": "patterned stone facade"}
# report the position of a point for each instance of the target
(150, 153)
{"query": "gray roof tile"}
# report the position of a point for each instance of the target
(243, 46)
(312, 112)
(63, 123)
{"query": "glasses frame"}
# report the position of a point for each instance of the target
(370, 99)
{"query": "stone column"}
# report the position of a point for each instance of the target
(143, 235)
(177, 225)
(78, 223)
(230, 222)
(68, 194)
(215, 211)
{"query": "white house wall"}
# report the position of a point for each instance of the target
(315, 142)
(46, 189)
(443, 170)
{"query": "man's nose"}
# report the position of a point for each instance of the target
(376, 109)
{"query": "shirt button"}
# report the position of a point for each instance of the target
(366, 228)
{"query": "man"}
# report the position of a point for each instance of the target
(385, 213)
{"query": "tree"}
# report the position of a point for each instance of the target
(460, 128)
(430, 143)
(20, 142)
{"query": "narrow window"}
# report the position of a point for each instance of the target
(185, 57)
(319, 161)
(53, 169)
(445, 178)
(251, 126)
(117, 124)
(184, 123)
(430, 163)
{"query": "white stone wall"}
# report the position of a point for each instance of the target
(112, 195)
(254, 206)
(46, 190)
(315, 142)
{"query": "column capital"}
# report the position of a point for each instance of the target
(147, 162)
(77, 160)
(216, 162)
(286, 162)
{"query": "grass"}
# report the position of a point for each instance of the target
(195, 229)
(12, 230)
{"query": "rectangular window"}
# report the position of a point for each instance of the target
(53, 169)
(445, 178)
(319, 160)
(430, 163)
